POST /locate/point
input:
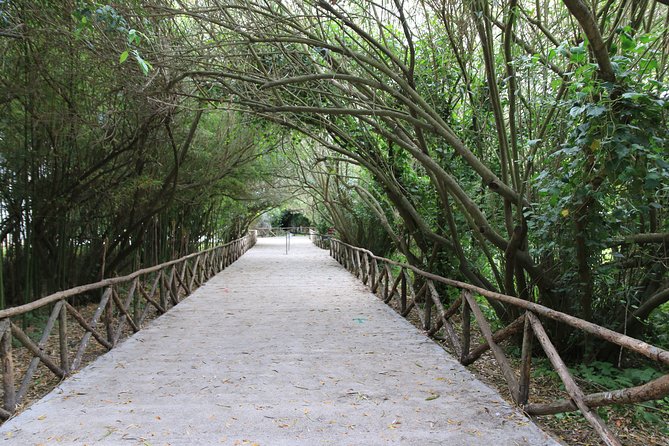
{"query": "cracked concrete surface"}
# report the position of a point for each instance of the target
(276, 350)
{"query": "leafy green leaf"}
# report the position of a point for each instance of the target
(627, 41)
(632, 95)
(596, 110)
(143, 64)
(124, 56)
(134, 37)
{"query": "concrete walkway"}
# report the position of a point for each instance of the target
(276, 350)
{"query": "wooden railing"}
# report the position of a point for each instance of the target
(280, 232)
(394, 281)
(320, 240)
(124, 305)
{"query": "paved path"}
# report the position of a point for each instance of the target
(275, 350)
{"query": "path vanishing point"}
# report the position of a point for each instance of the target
(275, 350)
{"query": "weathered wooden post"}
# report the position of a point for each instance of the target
(109, 315)
(163, 290)
(9, 402)
(466, 328)
(525, 363)
(62, 337)
(403, 292)
(427, 310)
(372, 274)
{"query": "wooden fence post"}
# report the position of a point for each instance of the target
(372, 273)
(466, 330)
(163, 290)
(7, 366)
(403, 293)
(108, 317)
(62, 337)
(525, 363)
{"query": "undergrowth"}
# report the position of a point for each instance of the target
(599, 376)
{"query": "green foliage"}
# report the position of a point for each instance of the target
(90, 18)
(608, 377)
(603, 376)
(610, 171)
(658, 325)
(92, 166)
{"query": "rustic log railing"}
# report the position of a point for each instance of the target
(320, 240)
(126, 303)
(394, 281)
(280, 232)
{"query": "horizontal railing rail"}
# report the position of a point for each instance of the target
(399, 287)
(124, 304)
(280, 232)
